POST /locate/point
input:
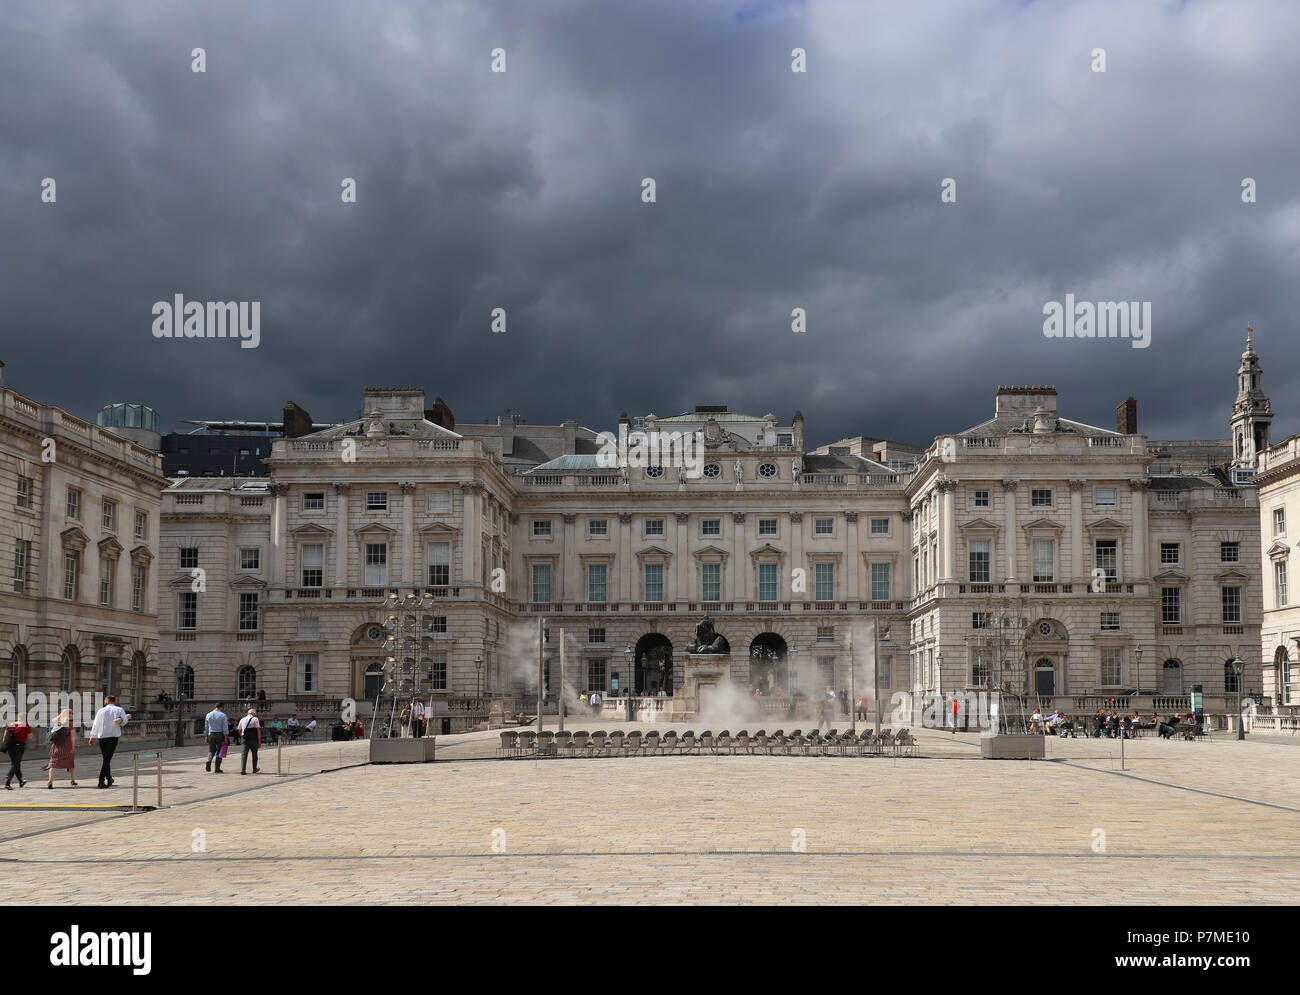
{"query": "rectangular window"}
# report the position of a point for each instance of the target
(250, 558)
(767, 582)
(1110, 621)
(541, 528)
(74, 504)
(711, 582)
(541, 583)
(106, 571)
(595, 635)
(189, 557)
(979, 620)
(1044, 560)
(767, 527)
(1231, 605)
(710, 526)
(1279, 521)
(22, 558)
(142, 525)
(187, 610)
(880, 526)
(1171, 606)
(439, 563)
(376, 563)
(979, 560)
(24, 492)
(979, 499)
(825, 577)
(826, 671)
(377, 501)
(248, 613)
(981, 665)
(654, 582)
(597, 575)
(1104, 497)
(313, 564)
(1171, 553)
(1107, 558)
(654, 526)
(137, 588)
(436, 671)
(439, 501)
(71, 568)
(308, 628)
(597, 528)
(308, 672)
(823, 526)
(880, 581)
(784, 440)
(108, 515)
(886, 672)
(1279, 582)
(1229, 552)
(596, 674)
(313, 501)
(1112, 666)
(1040, 497)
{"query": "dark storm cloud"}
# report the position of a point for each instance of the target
(776, 190)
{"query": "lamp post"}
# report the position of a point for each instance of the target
(1239, 669)
(180, 705)
(288, 663)
(875, 636)
(629, 654)
(478, 670)
(1137, 675)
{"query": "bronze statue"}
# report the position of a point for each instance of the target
(706, 640)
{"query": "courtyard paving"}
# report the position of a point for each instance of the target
(1185, 823)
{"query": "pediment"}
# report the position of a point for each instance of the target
(1106, 525)
(654, 551)
(248, 580)
(311, 529)
(1279, 550)
(711, 551)
(978, 525)
(108, 546)
(73, 536)
(141, 554)
(1234, 574)
(439, 528)
(181, 580)
(1172, 574)
(767, 549)
(375, 528)
(1040, 524)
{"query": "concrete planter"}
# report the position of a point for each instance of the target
(1011, 747)
(402, 751)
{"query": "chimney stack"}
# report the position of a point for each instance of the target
(570, 437)
(297, 422)
(1126, 417)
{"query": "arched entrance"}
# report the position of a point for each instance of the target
(366, 659)
(769, 671)
(653, 664)
(1044, 677)
(374, 680)
(1173, 678)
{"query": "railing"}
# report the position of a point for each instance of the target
(545, 480)
(1106, 442)
(190, 498)
(823, 479)
(603, 480)
(438, 445)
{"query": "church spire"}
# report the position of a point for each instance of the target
(1252, 412)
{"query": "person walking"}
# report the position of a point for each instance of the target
(16, 735)
(250, 731)
(216, 727)
(417, 717)
(107, 728)
(954, 715)
(63, 748)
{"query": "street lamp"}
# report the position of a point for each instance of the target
(629, 654)
(478, 667)
(288, 663)
(1239, 669)
(180, 706)
(1137, 675)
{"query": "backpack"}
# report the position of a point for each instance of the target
(58, 734)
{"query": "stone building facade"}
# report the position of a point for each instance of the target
(1030, 552)
(79, 521)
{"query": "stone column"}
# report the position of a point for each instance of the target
(279, 532)
(796, 553)
(682, 581)
(472, 537)
(1079, 572)
(947, 489)
(1141, 569)
(622, 585)
(902, 587)
(408, 532)
(852, 565)
(738, 557)
(565, 585)
(1012, 539)
(341, 535)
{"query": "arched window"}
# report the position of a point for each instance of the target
(246, 683)
(1044, 677)
(68, 670)
(17, 668)
(136, 679)
(1231, 683)
(1173, 677)
(1285, 674)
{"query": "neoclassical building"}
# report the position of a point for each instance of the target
(1030, 552)
(79, 520)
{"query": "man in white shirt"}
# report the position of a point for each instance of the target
(417, 718)
(107, 728)
(250, 731)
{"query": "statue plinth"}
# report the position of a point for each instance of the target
(704, 673)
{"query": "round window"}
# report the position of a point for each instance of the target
(373, 632)
(1045, 628)
(767, 470)
(712, 470)
(654, 471)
